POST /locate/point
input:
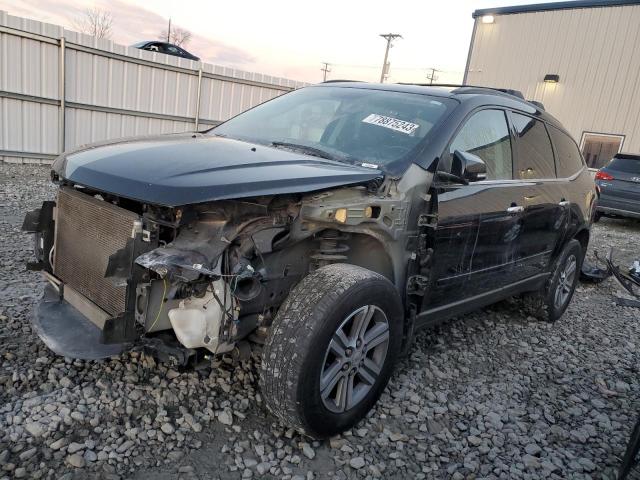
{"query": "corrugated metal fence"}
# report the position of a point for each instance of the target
(60, 89)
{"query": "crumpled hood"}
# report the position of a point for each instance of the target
(174, 170)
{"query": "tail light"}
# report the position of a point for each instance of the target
(600, 175)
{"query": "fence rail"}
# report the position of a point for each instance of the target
(60, 89)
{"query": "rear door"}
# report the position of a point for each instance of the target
(546, 208)
(477, 224)
(622, 192)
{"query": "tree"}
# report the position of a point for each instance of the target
(177, 36)
(95, 22)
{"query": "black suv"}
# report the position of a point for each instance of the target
(321, 228)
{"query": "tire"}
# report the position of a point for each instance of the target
(596, 217)
(544, 304)
(297, 353)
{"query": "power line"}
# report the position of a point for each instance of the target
(432, 77)
(325, 70)
(389, 37)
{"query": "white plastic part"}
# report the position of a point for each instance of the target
(197, 321)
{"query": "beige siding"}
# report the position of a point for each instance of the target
(596, 52)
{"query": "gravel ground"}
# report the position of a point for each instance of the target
(493, 395)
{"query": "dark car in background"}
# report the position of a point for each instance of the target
(618, 185)
(164, 47)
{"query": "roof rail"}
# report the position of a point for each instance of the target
(537, 104)
(338, 81)
(508, 91)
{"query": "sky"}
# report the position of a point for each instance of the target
(291, 38)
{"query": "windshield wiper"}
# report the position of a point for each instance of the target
(316, 152)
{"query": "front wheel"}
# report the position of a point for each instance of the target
(331, 349)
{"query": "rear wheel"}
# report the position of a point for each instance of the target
(551, 302)
(331, 349)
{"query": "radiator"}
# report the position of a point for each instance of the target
(88, 231)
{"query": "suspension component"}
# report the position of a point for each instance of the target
(330, 249)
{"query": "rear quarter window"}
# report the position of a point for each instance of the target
(568, 158)
(627, 165)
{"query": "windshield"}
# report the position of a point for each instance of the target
(375, 127)
(626, 165)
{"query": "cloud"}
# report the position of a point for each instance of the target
(131, 24)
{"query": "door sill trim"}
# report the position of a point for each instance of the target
(437, 315)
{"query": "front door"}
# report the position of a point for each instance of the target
(478, 225)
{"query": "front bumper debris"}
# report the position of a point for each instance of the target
(67, 332)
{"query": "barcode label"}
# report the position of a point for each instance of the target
(391, 123)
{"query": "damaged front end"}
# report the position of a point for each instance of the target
(120, 271)
(191, 280)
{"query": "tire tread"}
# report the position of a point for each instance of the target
(292, 331)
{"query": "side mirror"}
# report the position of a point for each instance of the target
(468, 166)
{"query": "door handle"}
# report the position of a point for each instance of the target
(564, 203)
(515, 209)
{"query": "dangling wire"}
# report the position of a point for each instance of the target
(164, 292)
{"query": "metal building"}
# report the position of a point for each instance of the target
(581, 59)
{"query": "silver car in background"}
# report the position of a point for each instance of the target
(618, 185)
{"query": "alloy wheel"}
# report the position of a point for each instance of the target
(565, 282)
(354, 358)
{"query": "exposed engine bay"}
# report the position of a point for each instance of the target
(213, 274)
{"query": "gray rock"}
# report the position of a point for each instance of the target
(65, 382)
(308, 451)
(473, 440)
(357, 463)
(76, 460)
(27, 454)
(167, 428)
(530, 461)
(126, 445)
(225, 418)
(532, 449)
(74, 447)
(35, 429)
(90, 456)
(58, 444)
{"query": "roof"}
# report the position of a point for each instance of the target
(462, 93)
(437, 89)
(545, 7)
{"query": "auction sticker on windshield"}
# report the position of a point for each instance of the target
(391, 123)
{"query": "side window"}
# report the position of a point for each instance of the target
(153, 47)
(486, 135)
(535, 155)
(568, 158)
(171, 49)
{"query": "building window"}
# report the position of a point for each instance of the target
(599, 148)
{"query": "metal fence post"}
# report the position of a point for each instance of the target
(197, 119)
(62, 95)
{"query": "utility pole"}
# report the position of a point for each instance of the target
(389, 37)
(169, 31)
(432, 77)
(325, 70)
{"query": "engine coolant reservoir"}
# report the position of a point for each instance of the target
(197, 321)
